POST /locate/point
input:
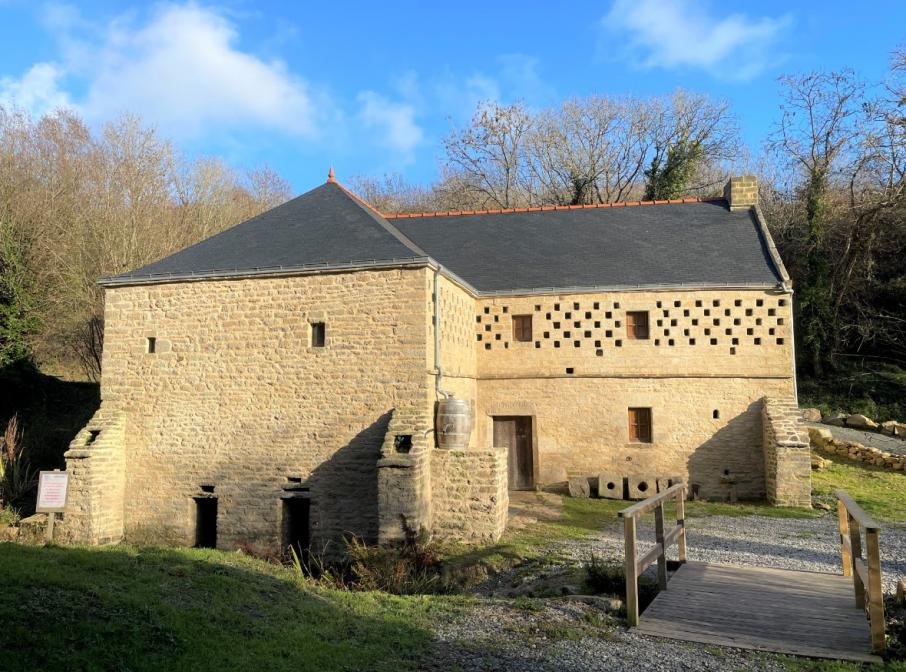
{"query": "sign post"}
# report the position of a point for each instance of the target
(53, 489)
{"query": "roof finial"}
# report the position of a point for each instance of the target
(330, 177)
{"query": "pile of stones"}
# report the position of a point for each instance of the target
(823, 440)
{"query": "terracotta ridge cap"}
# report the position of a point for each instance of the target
(541, 208)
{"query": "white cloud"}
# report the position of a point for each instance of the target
(184, 71)
(677, 33)
(180, 68)
(393, 121)
(37, 91)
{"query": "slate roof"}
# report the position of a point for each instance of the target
(694, 244)
(668, 244)
(324, 226)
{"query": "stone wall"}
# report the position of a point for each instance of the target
(788, 474)
(96, 462)
(823, 440)
(470, 494)
(741, 333)
(236, 399)
(580, 427)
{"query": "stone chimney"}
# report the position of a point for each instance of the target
(741, 192)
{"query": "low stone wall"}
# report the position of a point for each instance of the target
(787, 463)
(95, 462)
(823, 440)
(470, 498)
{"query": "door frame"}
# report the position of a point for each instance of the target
(533, 428)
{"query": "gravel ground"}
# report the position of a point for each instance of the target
(889, 444)
(808, 544)
(568, 636)
(498, 636)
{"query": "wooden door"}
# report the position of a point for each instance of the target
(515, 434)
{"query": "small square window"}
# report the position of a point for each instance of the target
(522, 328)
(640, 425)
(318, 334)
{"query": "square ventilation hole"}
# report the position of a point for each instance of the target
(570, 370)
(599, 353)
(402, 443)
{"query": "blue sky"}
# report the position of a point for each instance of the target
(373, 87)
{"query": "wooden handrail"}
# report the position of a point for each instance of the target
(647, 504)
(856, 525)
(633, 565)
(856, 511)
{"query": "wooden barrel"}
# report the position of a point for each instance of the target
(453, 423)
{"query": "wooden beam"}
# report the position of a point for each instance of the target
(855, 511)
(846, 549)
(855, 542)
(875, 592)
(681, 524)
(646, 560)
(631, 572)
(647, 504)
(659, 538)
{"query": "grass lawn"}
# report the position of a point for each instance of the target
(881, 492)
(131, 608)
(584, 518)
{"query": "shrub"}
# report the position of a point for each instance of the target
(605, 577)
(411, 567)
(17, 478)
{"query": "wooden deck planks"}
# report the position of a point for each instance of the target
(784, 611)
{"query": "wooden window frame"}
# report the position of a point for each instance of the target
(317, 340)
(637, 330)
(640, 425)
(520, 334)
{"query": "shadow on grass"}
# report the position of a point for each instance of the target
(185, 609)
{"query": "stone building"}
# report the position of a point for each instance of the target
(277, 383)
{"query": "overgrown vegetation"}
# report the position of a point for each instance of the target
(411, 567)
(17, 476)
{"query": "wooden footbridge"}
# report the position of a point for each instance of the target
(799, 613)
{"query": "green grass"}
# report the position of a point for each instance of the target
(881, 492)
(129, 608)
(8, 515)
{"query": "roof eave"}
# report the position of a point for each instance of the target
(265, 272)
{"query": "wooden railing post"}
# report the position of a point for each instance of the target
(866, 572)
(659, 539)
(875, 591)
(632, 578)
(845, 554)
(681, 522)
(855, 544)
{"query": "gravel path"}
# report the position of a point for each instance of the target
(568, 636)
(808, 544)
(889, 444)
(498, 636)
